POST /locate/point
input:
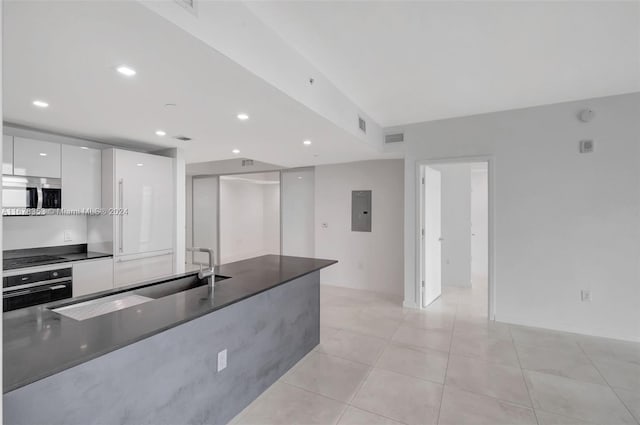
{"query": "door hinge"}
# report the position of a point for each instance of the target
(423, 180)
(422, 233)
(423, 284)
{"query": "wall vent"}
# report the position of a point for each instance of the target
(247, 162)
(394, 138)
(190, 5)
(362, 124)
(183, 138)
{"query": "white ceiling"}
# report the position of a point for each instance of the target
(406, 62)
(66, 53)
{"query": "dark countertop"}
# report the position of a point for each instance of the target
(39, 342)
(33, 257)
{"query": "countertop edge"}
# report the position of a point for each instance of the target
(118, 346)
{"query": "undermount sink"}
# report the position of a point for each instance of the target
(173, 287)
(97, 307)
(88, 309)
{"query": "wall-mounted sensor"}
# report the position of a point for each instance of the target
(586, 115)
(586, 146)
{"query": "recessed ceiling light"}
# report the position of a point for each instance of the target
(139, 164)
(307, 142)
(126, 71)
(43, 154)
(243, 117)
(160, 133)
(83, 147)
(236, 151)
(299, 177)
(40, 103)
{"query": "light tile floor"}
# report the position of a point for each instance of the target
(378, 363)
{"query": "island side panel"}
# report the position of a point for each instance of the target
(172, 378)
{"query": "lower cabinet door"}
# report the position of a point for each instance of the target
(92, 276)
(142, 267)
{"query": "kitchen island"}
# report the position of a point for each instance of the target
(157, 362)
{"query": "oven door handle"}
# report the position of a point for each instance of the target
(39, 198)
(33, 291)
(16, 294)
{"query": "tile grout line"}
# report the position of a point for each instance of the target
(611, 387)
(446, 370)
(364, 380)
(526, 385)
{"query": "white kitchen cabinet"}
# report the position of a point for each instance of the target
(140, 268)
(81, 177)
(92, 276)
(7, 154)
(142, 186)
(144, 190)
(36, 158)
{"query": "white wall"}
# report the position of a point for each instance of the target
(298, 212)
(245, 209)
(40, 231)
(564, 221)
(479, 223)
(204, 218)
(366, 260)
(271, 218)
(456, 224)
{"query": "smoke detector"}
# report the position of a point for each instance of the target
(586, 115)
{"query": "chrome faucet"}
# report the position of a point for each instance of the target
(208, 273)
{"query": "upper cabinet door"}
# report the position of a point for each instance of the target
(81, 177)
(35, 158)
(7, 154)
(144, 187)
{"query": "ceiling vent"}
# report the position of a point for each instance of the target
(190, 5)
(247, 162)
(394, 138)
(183, 138)
(362, 124)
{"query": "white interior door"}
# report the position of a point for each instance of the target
(431, 240)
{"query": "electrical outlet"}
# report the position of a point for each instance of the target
(67, 236)
(585, 296)
(222, 360)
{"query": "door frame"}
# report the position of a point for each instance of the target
(490, 160)
(422, 278)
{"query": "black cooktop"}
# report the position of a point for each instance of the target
(30, 257)
(16, 263)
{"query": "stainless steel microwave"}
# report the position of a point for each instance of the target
(21, 193)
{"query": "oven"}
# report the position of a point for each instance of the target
(20, 193)
(29, 289)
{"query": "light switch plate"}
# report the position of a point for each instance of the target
(222, 360)
(67, 236)
(585, 295)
